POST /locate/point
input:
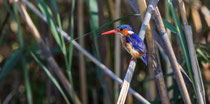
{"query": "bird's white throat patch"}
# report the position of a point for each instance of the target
(130, 32)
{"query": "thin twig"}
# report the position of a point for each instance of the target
(10, 96)
(105, 56)
(88, 55)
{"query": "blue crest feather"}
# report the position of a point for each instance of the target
(125, 27)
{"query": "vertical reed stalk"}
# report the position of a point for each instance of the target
(181, 38)
(146, 27)
(117, 50)
(192, 55)
(167, 16)
(196, 70)
(169, 80)
(160, 80)
(126, 83)
(81, 56)
(162, 49)
(111, 4)
(94, 25)
(129, 74)
(104, 49)
(146, 16)
(152, 65)
(171, 56)
(183, 41)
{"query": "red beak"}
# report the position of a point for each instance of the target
(110, 32)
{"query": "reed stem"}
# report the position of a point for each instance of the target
(151, 91)
(81, 56)
(126, 83)
(117, 50)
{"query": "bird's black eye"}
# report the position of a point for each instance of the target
(121, 29)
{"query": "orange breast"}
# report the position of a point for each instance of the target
(129, 48)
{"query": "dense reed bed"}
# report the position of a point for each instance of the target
(52, 51)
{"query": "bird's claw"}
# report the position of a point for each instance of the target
(133, 59)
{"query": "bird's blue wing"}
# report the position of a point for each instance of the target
(137, 43)
(144, 58)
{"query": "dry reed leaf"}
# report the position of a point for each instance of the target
(206, 14)
(196, 19)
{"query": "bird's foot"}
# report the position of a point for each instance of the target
(133, 59)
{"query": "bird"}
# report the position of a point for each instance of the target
(131, 42)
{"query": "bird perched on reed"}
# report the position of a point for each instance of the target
(131, 42)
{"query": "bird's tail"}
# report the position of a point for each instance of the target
(144, 58)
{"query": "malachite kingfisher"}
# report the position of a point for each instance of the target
(131, 42)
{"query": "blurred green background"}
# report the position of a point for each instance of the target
(27, 77)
